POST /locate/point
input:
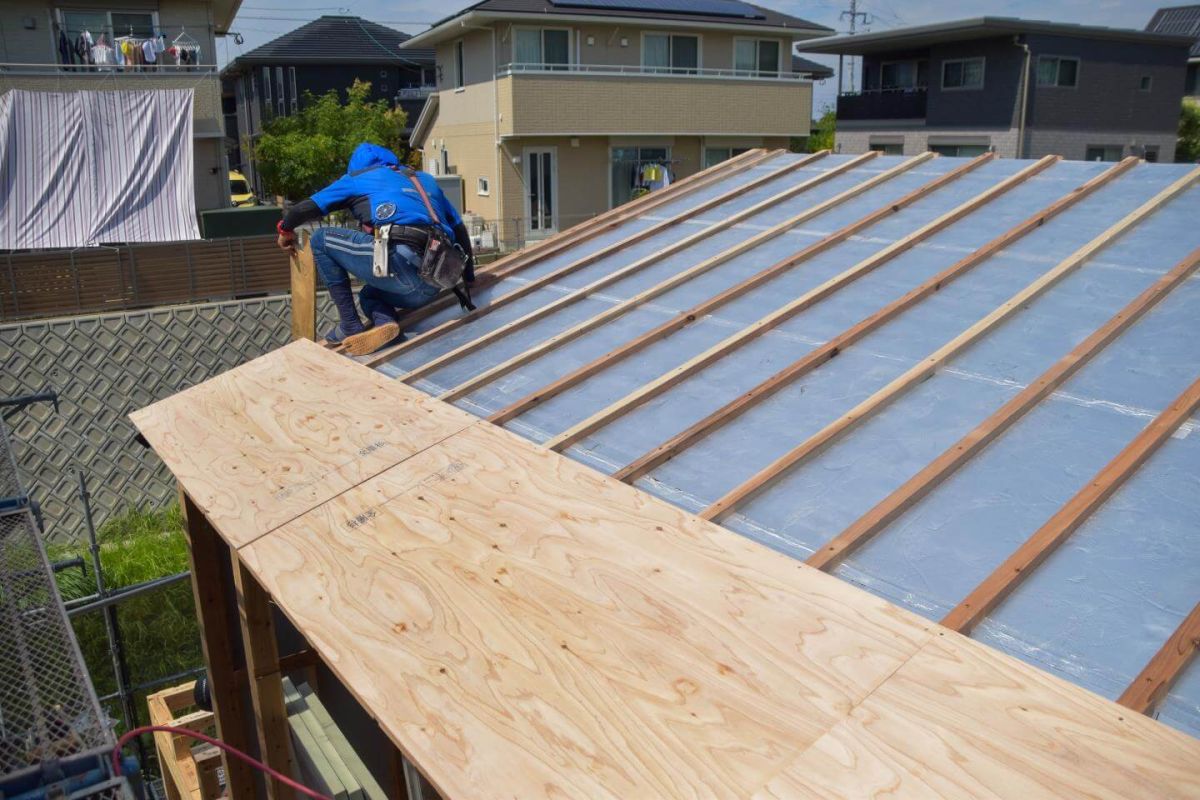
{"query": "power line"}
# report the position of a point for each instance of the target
(294, 19)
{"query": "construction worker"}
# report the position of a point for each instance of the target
(382, 195)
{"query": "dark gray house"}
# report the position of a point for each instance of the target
(328, 53)
(1021, 88)
(1182, 21)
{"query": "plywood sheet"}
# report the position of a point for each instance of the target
(525, 627)
(960, 719)
(267, 441)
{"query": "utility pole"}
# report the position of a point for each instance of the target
(854, 15)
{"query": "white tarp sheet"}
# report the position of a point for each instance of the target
(79, 169)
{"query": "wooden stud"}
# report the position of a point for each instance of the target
(810, 298)
(304, 295)
(837, 345)
(988, 594)
(834, 347)
(930, 364)
(678, 279)
(1153, 683)
(933, 474)
(591, 258)
(640, 264)
(264, 678)
(211, 588)
(685, 318)
(492, 273)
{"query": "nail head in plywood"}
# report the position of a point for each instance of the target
(932, 475)
(927, 366)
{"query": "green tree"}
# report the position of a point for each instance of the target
(301, 153)
(821, 137)
(1188, 148)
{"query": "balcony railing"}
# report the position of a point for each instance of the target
(415, 92)
(106, 70)
(520, 68)
(882, 104)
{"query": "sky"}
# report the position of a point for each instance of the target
(259, 21)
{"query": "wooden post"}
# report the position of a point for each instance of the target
(304, 294)
(264, 679)
(211, 587)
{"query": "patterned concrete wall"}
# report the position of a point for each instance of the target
(103, 367)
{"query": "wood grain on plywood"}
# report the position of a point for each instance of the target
(961, 720)
(272, 438)
(524, 626)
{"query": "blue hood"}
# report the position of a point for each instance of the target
(370, 155)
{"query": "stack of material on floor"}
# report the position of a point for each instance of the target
(324, 757)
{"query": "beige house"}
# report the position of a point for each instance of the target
(551, 113)
(31, 58)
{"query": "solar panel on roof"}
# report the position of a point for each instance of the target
(715, 8)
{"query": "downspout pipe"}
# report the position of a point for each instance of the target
(1019, 41)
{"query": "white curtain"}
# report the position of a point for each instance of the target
(80, 169)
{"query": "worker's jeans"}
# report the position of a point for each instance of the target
(340, 253)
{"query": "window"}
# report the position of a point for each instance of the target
(116, 23)
(627, 164)
(959, 150)
(428, 76)
(541, 182)
(715, 155)
(669, 52)
(295, 94)
(1055, 71)
(888, 148)
(1150, 153)
(1145, 83)
(756, 57)
(1104, 152)
(459, 77)
(483, 187)
(279, 99)
(266, 87)
(901, 75)
(962, 73)
(544, 47)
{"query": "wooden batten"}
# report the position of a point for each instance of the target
(1153, 683)
(624, 272)
(807, 300)
(930, 364)
(304, 294)
(974, 442)
(579, 263)
(684, 318)
(1038, 547)
(835, 346)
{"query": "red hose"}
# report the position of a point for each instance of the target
(233, 751)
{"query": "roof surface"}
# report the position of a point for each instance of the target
(770, 18)
(1178, 20)
(977, 28)
(336, 40)
(818, 71)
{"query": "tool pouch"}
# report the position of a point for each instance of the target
(444, 262)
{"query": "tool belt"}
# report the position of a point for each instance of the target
(416, 237)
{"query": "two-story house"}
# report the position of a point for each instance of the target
(328, 53)
(32, 57)
(554, 111)
(1182, 21)
(1021, 88)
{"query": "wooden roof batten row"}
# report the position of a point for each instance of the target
(428, 484)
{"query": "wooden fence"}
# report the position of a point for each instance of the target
(62, 282)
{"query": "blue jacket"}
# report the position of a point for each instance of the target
(377, 194)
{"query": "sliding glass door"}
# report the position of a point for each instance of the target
(541, 191)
